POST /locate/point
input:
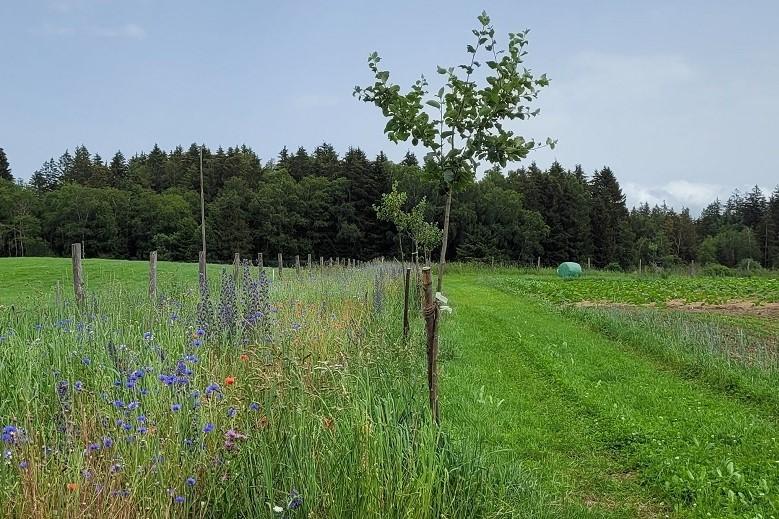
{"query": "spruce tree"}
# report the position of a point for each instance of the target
(5, 168)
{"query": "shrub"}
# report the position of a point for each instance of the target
(716, 270)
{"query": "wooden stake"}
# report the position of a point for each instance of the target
(297, 264)
(321, 262)
(78, 273)
(430, 311)
(260, 262)
(308, 263)
(405, 302)
(202, 266)
(236, 266)
(281, 265)
(153, 274)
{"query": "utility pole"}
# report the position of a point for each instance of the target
(202, 203)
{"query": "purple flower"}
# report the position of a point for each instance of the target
(200, 332)
(191, 481)
(211, 388)
(141, 429)
(196, 343)
(107, 442)
(116, 468)
(208, 427)
(147, 336)
(86, 361)
(62, 388)
(295, 500)
(92, 447)
(78, 385)
(86, 474)
(254, 406)
(231, 412)
(23, 464)
(179, 499)
(118, 403)
(168, 380)
(175, 408)
(141, 418)
(10, 434)
(132, 406)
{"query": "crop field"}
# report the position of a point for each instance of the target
(609, 396)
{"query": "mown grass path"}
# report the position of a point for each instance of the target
(603, 430)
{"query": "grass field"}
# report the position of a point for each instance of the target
(627, 408)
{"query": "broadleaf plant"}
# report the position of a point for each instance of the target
(462, 123)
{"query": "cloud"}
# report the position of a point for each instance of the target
(682, 193)
(129, 31)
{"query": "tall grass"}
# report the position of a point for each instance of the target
(303, 400)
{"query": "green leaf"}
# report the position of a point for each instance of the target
(433, 103)
(383, 75)
(441, 70)
(471, 49)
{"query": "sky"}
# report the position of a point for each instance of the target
(679, 98)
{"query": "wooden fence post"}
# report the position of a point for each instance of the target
(281, 265)
(430, 311)
(236, 267)
(308, 262)
(331, 262)
(153, 274)
(321, 262)
(78, 273)
(297, 264)
(201, 266)
(407, 280)
(260, 262)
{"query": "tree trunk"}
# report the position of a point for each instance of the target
(442, 261)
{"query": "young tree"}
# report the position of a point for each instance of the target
(412, 223)
(5, 168)
(463, 123)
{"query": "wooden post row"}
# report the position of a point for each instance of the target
(78, 273)
(281, 265)
(236, 266)
(153, 274)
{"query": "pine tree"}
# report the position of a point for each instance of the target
(5, 168)
(119, 170)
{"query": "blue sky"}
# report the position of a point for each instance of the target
(679, 98)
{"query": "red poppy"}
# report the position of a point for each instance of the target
(229, 381)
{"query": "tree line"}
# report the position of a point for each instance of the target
(325, 204)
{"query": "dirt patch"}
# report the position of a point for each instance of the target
(770, 310)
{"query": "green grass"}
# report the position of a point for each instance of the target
(604, 423)
(548, 410)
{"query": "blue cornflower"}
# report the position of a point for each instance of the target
(197, 343)
(208, 427)
(191, 481)
(23, 464)
(9, 434)
(86, 474)
(107, 442)
(231, 411)
(141, 418)
(118, 403)
(78, 385)
(168, 380)
(179, 499)
(175, 407)
(141, 429)
(188, 442)
(92, 447)
(174, 317)
(295, 500)
(200, 332)
(147, 336)
(296, 327)
(38, 327)
(86, 361)
(132, 406)
(191, 358)
(211, 388)
(255, 406)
